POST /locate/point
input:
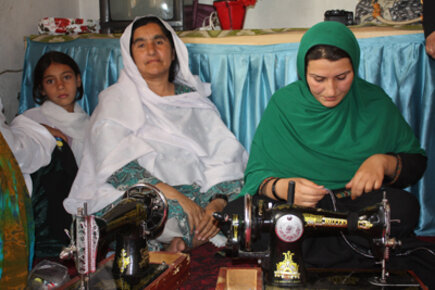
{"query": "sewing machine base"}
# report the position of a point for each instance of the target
(354, 279)
(103, 278)
(171, 276)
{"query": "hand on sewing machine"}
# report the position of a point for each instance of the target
(370, 174)
(307, 193)
(194, 212)
(208, 227)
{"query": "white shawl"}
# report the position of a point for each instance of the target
(179, 139)
(72, 124)
(30, 142)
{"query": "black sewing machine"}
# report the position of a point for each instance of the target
(286, 224)
(139, 216)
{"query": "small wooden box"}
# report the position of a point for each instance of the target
(240, 278)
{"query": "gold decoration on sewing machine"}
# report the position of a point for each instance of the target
(287, 269)
(315, 220)
(123, 261)
(236, 226)
(321, 220)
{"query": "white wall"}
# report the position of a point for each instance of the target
(292, 13)
(19, 18)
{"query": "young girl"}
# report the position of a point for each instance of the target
(57, 85)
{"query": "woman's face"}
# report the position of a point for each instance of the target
(59, 85)
(152, 52)
(329, 81)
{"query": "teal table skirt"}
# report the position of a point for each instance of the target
(243, 78)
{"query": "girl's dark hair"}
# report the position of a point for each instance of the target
(324, 51)
(43, 63)
(152, 19)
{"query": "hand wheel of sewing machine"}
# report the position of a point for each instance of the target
(155, 203)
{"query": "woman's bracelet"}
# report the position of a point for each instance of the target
(263, 184)
(274, 192)
(398, 169)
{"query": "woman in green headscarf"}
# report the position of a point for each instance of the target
(331, 129)
(333, 132)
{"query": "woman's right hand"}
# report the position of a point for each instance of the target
(307, 193)
(194, 212)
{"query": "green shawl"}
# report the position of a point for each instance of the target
(16, 223)
(299, 137)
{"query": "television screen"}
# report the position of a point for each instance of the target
(115, 15)
(129, 9)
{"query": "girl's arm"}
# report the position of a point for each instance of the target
(30, 142)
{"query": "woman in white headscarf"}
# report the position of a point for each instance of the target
(157, 125)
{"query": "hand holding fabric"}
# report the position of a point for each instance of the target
(370, 174)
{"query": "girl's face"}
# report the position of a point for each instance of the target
(152, 52)
(59, 85)
(329, 81)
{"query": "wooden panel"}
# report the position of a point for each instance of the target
(239, 278)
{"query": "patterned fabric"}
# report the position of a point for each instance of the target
(16, 223)
(62, 26)
(133, 173)
(181, 89)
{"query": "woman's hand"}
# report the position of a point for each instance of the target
(208, 227)
(307, 193)
(194, 212)
(370, 174)
(56, 132)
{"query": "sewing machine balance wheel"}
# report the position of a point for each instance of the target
(248, 221)
(155, 203)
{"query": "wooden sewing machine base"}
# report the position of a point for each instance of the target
(242, 278)
(167, 271)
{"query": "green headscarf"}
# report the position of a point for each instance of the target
(299, 137)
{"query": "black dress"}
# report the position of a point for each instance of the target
(51, 185)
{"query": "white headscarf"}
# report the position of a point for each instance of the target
(73, 124)
(179, 139)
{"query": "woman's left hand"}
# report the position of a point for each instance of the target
(370, 174)
(208, 227)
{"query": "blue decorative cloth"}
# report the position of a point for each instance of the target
(244, 77)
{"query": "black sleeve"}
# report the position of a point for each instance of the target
(411, 167)
(428, 16)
